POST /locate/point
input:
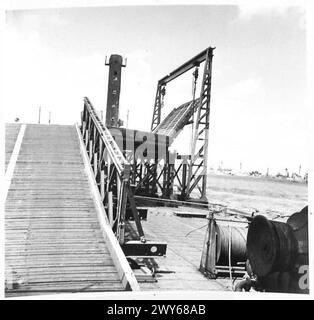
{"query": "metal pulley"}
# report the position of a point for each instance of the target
(195, 77)
(195, 73)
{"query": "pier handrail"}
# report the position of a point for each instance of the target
(103, 151)
(121, 164)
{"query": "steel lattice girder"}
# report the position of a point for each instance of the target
(196, 176)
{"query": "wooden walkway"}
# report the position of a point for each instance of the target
(53, 238)
(179, 269)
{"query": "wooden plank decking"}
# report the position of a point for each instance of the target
(185, 239)
(53, 238)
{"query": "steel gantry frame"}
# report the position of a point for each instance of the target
(195, 178)
(112, 173)
(199, 154)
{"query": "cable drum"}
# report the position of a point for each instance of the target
(299, 224)
(271, 246)
(234, 235)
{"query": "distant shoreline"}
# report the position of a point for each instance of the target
(260, 178)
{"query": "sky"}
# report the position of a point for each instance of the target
(55, 57)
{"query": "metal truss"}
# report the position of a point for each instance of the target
(112, 174)
(153, 179)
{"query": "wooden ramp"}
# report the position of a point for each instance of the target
(54, 242)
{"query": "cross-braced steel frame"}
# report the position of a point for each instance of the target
(193, 167)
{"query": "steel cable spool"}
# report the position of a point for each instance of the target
(271, 246)
(238, 244)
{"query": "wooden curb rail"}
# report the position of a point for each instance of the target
(124, 270)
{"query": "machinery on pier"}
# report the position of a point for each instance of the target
(224, 251)
(278, 254)
(132, 166)
(270, 255)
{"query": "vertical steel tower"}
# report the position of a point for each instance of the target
(114, 84)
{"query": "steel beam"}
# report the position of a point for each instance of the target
(136, 248)
(193, 62)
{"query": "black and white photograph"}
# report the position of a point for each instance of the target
(156, 150)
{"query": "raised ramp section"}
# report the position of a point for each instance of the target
(176, 120)
(54, 242)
